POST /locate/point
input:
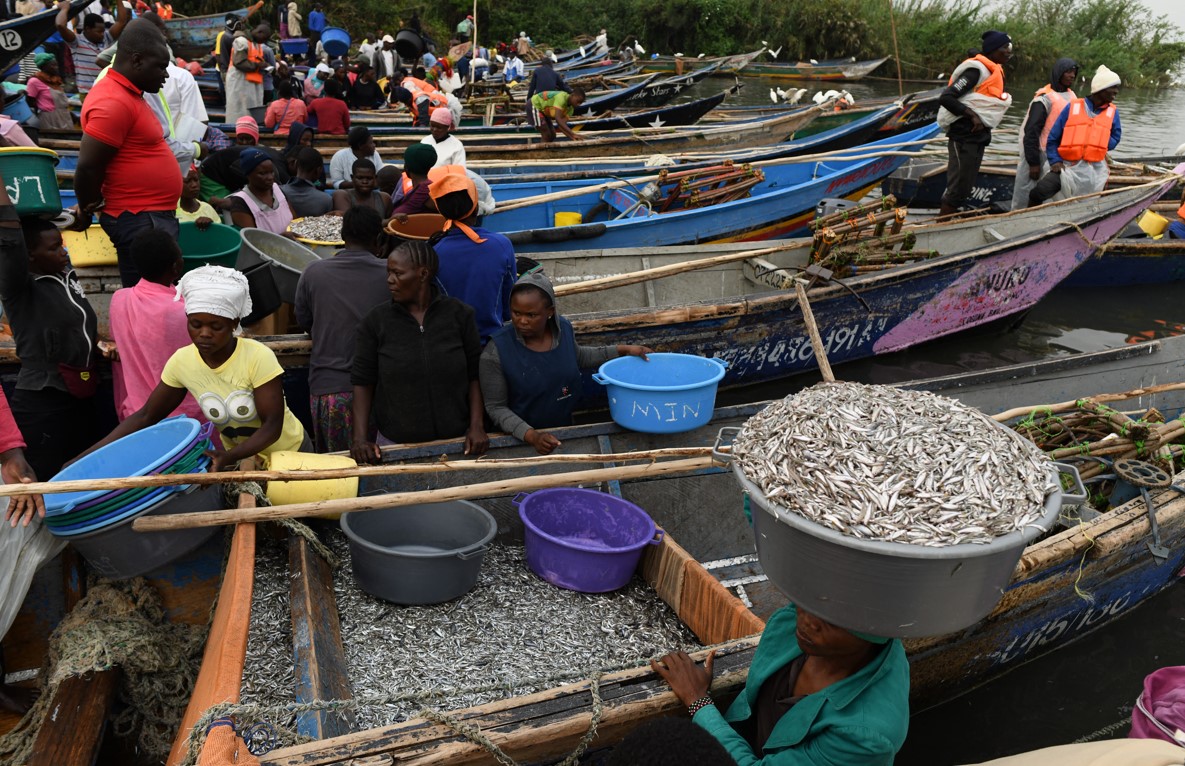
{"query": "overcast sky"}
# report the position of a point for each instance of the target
(1174, 9)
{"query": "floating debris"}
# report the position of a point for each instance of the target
(512, 628)
(321, 228)
(884, 463)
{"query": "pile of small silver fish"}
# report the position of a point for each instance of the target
(512, 628)
(884, 463)
(321, 228)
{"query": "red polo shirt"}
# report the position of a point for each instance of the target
(143, 175)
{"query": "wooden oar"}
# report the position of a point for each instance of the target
(375, 502)
(657, 272)
(316, 474)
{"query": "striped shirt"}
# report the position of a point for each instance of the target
(84, 53)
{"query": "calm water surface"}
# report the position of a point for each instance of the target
(1087, 688)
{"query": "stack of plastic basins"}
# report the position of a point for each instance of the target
(98, 523)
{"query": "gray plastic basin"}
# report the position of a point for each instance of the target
(287, 259)
(419, 554)
(119, 552)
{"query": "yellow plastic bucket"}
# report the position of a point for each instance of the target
(568, 219)
(285, 492)
(1153, 224)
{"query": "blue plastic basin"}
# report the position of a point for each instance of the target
(670, 393)
(336, 41)
(136, 454)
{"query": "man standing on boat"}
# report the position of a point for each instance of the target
(543, 79)
(1079, 141)
(1047, 106)
(969, 108)
(126, 171)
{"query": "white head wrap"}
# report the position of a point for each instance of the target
(1104, 78)
(215, 290)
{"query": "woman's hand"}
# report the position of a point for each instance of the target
(476, 441)
(641, 351)
(16, 470)
(365, 452)
(543, 442)
(689, 681)
(203, 223)
(220, 460)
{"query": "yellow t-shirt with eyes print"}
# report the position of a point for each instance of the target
(226, 393)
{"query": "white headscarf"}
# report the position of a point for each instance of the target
(215, 290)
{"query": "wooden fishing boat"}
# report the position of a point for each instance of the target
(499, 172)
(745, 204)
(1131, 261)
(921, 183)
(20, 35)
(662, 91)
(613, 98)
(192, 37)
(729, 65)
(837, 70)
(515, 147)
(1042, 610)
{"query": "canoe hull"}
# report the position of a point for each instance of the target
(194, 37)
(1133, 262)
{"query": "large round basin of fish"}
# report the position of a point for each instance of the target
(663, 394)
(887, 544)
(419, 554)
(584, 540)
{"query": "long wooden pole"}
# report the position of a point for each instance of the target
(812, 329)
(644, 275)
(1017, 412)
(374, 502)
(896, 52)
(361, 472)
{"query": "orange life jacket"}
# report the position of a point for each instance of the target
(406, 183)
(1058, 101)
(420, 89)
(164, 10)
(993, 84)
(1181, 212)
(1086, 137)
(255, 54)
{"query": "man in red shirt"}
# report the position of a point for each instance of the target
(126, 171)
(331, 113)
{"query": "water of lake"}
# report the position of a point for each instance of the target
(1087, 688)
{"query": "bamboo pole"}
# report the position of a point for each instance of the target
(362, 472)
(1017, 412)
(394, 499)
(812, 330)
(644, 275)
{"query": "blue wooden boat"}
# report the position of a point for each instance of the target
(779, 206)
(1125, 262)
(613, 98)
(662, 91)
(845, 136)
(20, 35)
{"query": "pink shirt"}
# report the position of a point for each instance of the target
(10, 434)
(148, 326)
(42, 93)
(282, 113)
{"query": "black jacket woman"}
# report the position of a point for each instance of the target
(416, 361)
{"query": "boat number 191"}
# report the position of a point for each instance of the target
(10, 40)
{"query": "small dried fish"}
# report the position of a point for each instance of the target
(884, 463)
(321, 228)
(512, 627)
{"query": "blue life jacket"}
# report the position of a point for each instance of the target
(542, 386)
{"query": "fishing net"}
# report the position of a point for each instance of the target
(120, 624)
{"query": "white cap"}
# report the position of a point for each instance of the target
(1104, 78)
(388, 39)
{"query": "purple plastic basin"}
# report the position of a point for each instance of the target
(584, 540)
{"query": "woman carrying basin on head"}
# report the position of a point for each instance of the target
(530, 369)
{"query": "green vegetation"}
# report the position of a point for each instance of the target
(933, 35)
